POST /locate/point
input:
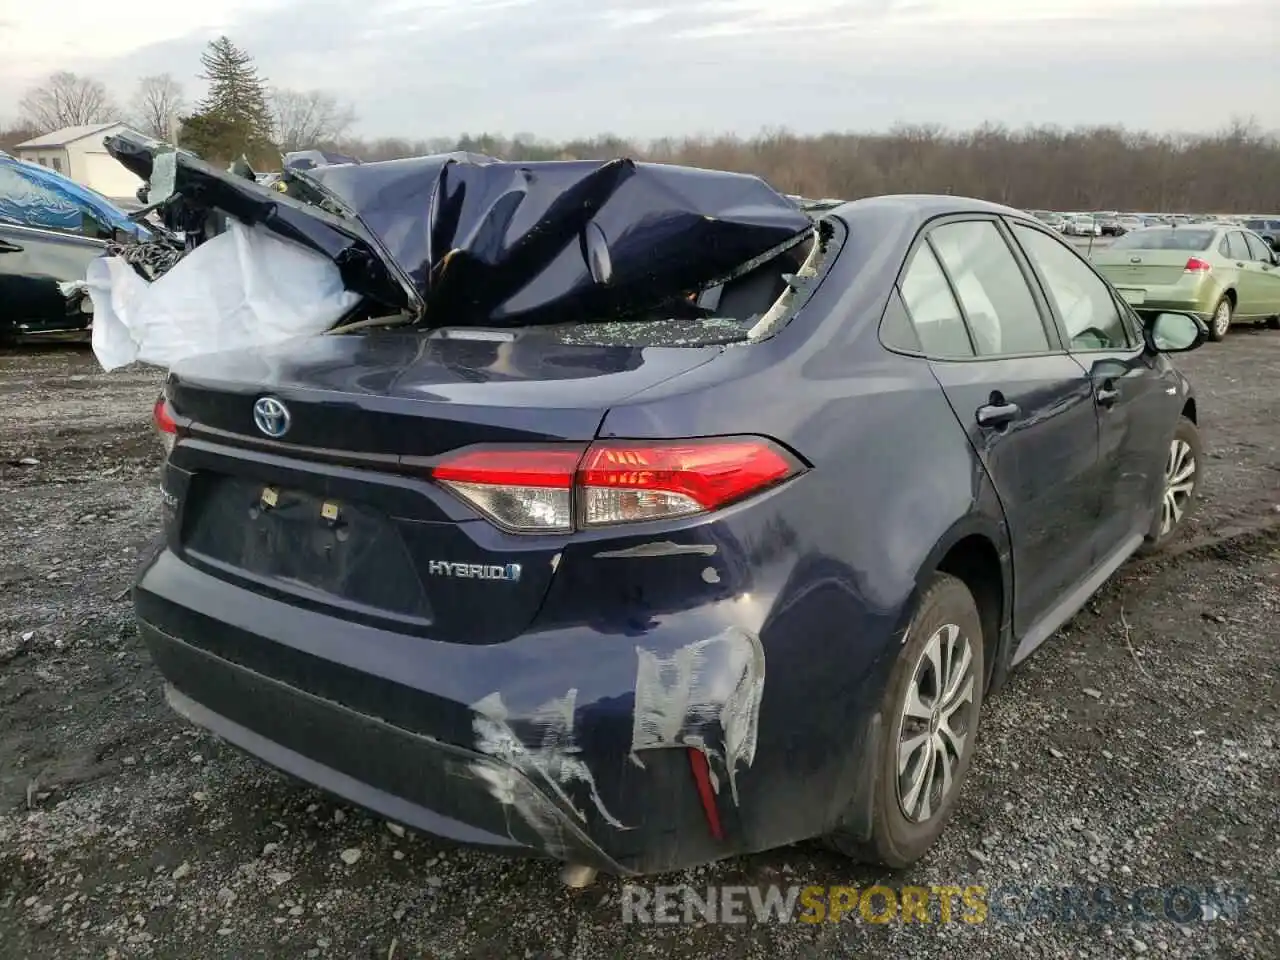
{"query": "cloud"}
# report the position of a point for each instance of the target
(561, 68)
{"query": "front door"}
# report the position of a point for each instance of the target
(1127, 385)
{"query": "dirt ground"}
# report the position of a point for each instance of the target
(1139, 748)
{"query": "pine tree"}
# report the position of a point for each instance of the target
(234, 118)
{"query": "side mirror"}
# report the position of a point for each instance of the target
(1175, 333)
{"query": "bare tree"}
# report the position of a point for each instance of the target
(156, 105)
(66, 99)
(308, 118)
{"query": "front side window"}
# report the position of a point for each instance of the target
(1002, 314)
(933, 309)
(1083, 301)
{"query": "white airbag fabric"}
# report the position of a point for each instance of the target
(243, 288)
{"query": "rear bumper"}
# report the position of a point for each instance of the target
(407, 727)
(1157, 305)
(413, 779)
(1198, 298)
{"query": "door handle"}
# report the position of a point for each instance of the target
(997, 414)
(7, 247)
(1107, 396)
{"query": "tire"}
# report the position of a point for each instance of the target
(1273, 323)
(946, 612)
(1220, 322)
(1172, 509)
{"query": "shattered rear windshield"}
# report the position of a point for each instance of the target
(748, 307)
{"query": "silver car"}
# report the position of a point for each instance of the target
(1083, 227)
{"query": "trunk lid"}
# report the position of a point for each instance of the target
(1142, 268)
(340, 512)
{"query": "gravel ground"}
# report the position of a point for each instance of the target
(1138, 748)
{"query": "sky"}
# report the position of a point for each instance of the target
(649, 68)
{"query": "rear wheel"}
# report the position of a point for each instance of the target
(1181, 486)
(929, 718)
(1221, 321)
(1273, 323)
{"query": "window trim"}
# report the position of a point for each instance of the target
(1052, 334)
(1121, 305)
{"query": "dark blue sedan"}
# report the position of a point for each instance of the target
(643, 594)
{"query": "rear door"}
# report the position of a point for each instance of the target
(1264, 274)
(1251, 290)
(1135, 416)
(1025, 403)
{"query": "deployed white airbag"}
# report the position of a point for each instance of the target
(246, 287)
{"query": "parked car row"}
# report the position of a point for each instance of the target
(1115, 224)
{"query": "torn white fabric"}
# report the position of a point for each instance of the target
(243, 288)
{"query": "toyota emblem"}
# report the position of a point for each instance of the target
(271, 416)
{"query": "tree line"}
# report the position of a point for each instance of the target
(241, 114)
(1236, 170)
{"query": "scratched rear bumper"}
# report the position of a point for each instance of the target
(435, 787)
(402, 727)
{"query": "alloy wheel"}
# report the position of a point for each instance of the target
(937, 720)
(1179, 484)
(1222, 317)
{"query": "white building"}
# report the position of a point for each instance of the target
(77, 152)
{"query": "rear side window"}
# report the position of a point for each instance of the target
(1002, 314)
(1083, 301)
(933, 309)
(1237, 249)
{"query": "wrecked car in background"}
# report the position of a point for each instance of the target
(50, 229)
(628, 514)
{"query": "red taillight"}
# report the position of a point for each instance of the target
(166, 426)
(626, 481)
(557, 489)
(528, 490)
(1196, 265)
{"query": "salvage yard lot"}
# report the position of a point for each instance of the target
(1139, 748)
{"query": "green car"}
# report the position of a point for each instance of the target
(1221, 272)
